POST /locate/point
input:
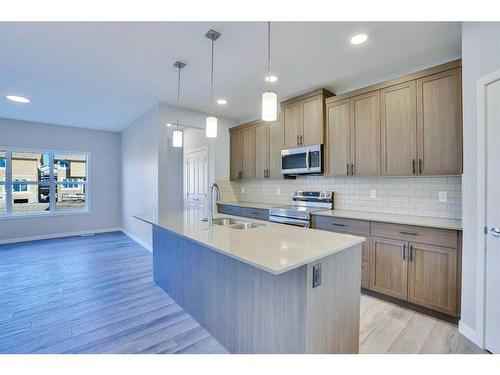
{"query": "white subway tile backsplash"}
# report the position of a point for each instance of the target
(418, 196)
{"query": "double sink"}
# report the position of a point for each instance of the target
(234, 223)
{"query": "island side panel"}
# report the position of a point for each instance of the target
(333, 307)
(246, 309)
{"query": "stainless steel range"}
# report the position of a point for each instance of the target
(304, 203)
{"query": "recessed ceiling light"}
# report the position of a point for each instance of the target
(358, 39)
(221, 101)
(271, 79)
(169, 124)
(18, 99)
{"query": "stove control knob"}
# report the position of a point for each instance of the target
(321, 195)
(328, 195)
(294, 193)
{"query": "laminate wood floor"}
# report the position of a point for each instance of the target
(96, 295)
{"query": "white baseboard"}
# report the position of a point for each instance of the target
(470, 333)
(138, 240)
(58, 235)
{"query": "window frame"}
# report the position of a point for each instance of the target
(9, 206)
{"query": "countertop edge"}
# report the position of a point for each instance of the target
(261, 267)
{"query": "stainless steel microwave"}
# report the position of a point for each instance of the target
(302, 160)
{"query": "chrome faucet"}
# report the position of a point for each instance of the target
(213, 188)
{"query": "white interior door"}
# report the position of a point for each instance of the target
(492, 312)
(196, 177)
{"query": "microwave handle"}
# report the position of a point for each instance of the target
(308, 162)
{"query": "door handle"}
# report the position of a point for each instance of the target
(352, 169)
(403, 251)
(347, 169)
(298, 140)
(301, 139)
(495, 232)
(410, 253)
(420, 162)
(414, 168)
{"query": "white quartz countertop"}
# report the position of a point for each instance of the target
(422, 221)
(275, 248)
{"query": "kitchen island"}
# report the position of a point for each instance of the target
(268, 289)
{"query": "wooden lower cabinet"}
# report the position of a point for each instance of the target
(365, 264)
(388, 268)
(432, 277)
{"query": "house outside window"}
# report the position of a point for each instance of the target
(42, 183)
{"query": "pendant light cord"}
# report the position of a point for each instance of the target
(178, 93)
(212, 76)
(269, 55)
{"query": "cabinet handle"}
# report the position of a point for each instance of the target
(352, 169)
(410, 253)
(420, 163)
(338, 225)
(409, 233)
(298, 140)
(403, 251)
(348, 169)
(414, 168)
(301, 140)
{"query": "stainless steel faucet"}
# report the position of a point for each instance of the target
(213, 188)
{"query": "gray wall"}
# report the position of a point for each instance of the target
(140, 174)
(104, 169)
(480, 56)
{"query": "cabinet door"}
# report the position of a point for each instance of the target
(365, 264)
(292, 123)
(365, 119)
(275, 146)
(432, 277)
(236, 154)
(388, 268)
(338, 131)
(312, 121)
(439, 123)
(261, 150)
(248, 141)
(399, 130)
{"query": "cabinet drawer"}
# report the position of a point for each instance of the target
(229, 209)
(256, 213)
(432, 236)
(335, 224)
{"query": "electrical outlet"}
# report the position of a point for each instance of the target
(278, 191)
(443, 196)
(373, 194)
(242, 190)
(316, 275)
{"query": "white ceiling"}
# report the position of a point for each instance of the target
(105, 75)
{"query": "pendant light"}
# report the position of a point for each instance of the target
(269, 98)
(211, 121)
(177, 133)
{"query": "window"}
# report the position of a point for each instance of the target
(46, 183)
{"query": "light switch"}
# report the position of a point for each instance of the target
(443, 196)
(373, 194)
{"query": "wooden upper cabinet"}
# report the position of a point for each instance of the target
(304, 119)
(399, 130)
(432, 277)
(262, 150)
(388, 268)
(292, 119)
(248, 142)
(338, 142)
(235, 154)
(439, 123)
(312, 121)
(275, 146)
(365, 139)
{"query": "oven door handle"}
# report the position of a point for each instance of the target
(308, 161)
(288, 220)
